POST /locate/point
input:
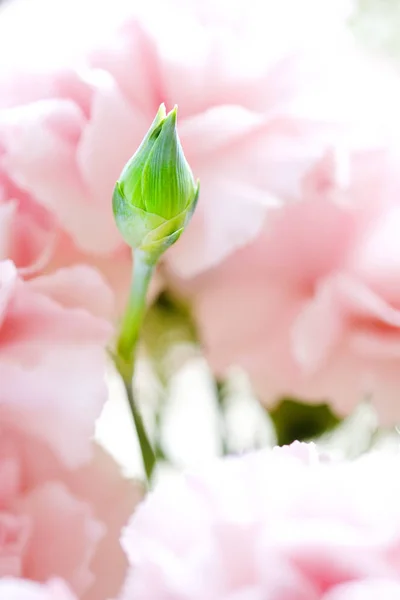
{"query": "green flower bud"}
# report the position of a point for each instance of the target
(156, 194)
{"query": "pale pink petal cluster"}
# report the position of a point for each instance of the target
(53, 333)
(62, 499)
(311, 309)
(260, 96)
(282, 524)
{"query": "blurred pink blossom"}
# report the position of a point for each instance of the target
(17, 589)
(278, 524)
(260, 96)
(81, 513)
(311, 309)
(55, 484)
(53, 333)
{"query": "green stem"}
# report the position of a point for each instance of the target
(148, 456)
(134, 313)
(126, 348)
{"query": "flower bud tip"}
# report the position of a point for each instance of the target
(156, 193)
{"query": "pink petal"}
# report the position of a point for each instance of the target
(110, 138)
(66, 387)
(77, 287)
(56, 515)
(7, 216)
(41, 158)
(113, 500)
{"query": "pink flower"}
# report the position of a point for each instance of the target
(62, 500)
(58, 522)
(272, 524)
(17, 589)
(53, 333)
(259, 100)
(311, 309)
